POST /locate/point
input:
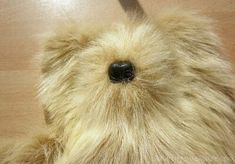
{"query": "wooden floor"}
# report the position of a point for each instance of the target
(23, 22)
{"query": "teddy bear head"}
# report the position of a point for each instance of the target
(143, 77)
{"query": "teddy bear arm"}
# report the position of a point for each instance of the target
(41, 149)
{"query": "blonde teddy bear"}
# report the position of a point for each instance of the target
(145, 91)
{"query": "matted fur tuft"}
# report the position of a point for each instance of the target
(179, 108)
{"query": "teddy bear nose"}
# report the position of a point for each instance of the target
(121, 71)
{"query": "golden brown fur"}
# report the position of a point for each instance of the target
(178, 109)
(36, 150)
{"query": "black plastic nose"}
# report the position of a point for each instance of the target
(121, 71)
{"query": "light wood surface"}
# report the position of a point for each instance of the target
(22, 23)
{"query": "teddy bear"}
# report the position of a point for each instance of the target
(144, 91)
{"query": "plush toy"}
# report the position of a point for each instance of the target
(153, 90)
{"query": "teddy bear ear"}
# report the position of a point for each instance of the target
(63, 43)
(184, 28)
(192, 39)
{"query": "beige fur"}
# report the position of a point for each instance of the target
(178, 109)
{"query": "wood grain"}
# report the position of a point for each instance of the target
(23, 22)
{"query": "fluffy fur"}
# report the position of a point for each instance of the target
(178, 109)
